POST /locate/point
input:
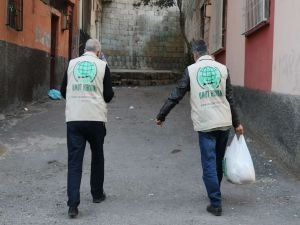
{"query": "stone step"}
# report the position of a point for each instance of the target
(124, 77)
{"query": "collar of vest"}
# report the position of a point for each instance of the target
(205, 57)
(90, 54)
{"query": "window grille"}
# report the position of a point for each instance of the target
(15, 14)
(255, 14)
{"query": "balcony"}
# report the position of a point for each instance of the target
(60, 5)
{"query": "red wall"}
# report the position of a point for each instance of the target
(259, 56)
(221, 57)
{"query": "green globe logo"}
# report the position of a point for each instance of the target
(85, 72)
(209, 77)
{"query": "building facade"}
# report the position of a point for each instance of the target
(37, 38)
(257, 40)
(90, 18)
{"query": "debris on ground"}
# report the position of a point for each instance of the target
(54, 94)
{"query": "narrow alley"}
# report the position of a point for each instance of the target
(153, 174)
(237, 57)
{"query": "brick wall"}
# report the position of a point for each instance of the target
(141, 38)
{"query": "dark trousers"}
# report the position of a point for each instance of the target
(78, 133)
(212, 146)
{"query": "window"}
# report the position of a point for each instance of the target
(255, 14)
(218, 23)
(15, 14)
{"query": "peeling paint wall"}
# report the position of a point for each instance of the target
(141, 38)
(42, 37)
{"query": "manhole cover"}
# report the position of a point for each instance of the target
(3, 149)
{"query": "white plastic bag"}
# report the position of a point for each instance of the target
(237, 164)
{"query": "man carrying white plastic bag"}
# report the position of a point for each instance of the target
(237, 165)
(212, 112)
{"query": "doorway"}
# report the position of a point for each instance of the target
(53, 53)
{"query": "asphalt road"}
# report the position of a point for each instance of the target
(153, 174)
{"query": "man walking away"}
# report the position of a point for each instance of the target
(87, 88)
(212, 112)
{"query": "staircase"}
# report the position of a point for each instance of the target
(126, 77)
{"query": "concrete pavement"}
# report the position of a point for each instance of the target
(153, 175)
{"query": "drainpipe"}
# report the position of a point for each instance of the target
(80, 14)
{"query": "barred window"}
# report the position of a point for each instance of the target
(255, 14)
(15, 14)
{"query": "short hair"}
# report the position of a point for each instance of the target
(200, 47)
(92, 45)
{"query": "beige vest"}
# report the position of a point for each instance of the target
(209, 106)
(84, 98)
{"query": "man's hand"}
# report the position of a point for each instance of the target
(159, 122)
(239, 130)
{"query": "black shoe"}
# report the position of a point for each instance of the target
(101, 199)
(73, 212)
(217, 211)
